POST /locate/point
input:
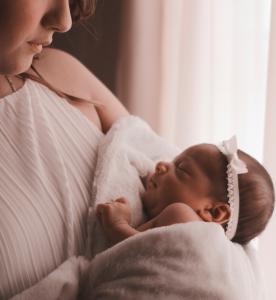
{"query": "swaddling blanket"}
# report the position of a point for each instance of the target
(192, 261)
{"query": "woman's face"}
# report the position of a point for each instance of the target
(22, 21)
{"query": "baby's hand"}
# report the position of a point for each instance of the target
(115, 213)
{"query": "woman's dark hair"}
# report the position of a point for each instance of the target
(256, 193)
(80, 10)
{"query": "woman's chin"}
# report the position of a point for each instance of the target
(22, 63)
(26, 65)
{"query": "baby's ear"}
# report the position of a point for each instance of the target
(220, 212)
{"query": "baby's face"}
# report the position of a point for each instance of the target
(182, 180)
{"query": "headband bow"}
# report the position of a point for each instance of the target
(235, 167)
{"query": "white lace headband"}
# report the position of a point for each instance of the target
(235, 167)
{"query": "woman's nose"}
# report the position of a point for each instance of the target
(58, 18)
(162, 167)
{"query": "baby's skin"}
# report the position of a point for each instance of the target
(177, 192)
(115, 217)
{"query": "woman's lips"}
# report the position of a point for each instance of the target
(36, 47)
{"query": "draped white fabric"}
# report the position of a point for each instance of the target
(197, 72)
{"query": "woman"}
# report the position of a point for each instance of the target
(48, 140)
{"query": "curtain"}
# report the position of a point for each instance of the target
(268, 240)
(196, 70)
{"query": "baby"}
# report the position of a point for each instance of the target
(204, 183)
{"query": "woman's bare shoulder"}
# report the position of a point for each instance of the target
(65, 72)
(68, 74)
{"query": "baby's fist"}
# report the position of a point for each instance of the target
(114, 213)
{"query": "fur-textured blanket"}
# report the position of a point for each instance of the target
(192, 261)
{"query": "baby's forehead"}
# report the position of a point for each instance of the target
(202, 154)
(201, 150)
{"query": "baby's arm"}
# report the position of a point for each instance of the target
(115, 217)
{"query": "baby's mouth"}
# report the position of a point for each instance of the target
(151, 184)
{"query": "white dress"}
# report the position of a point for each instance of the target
(47, 161)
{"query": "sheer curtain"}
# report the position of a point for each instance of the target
(268, 239)
(197, 72)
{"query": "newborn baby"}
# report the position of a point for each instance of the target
(204, 183)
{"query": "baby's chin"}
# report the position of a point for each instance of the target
(146, 203)
(152, 206)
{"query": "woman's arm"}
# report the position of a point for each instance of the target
(69, 75)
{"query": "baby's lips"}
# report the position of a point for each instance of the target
(151, 181)
(147, 179)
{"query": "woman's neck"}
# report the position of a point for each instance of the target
(6, 88)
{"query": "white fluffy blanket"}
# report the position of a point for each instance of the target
(183, 261)
(192, 261)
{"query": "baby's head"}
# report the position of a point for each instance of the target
(198, 178)
(256, 200)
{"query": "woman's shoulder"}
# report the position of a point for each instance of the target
(65, 72)
(69, 75)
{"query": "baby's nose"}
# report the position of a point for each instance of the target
(161, 167)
